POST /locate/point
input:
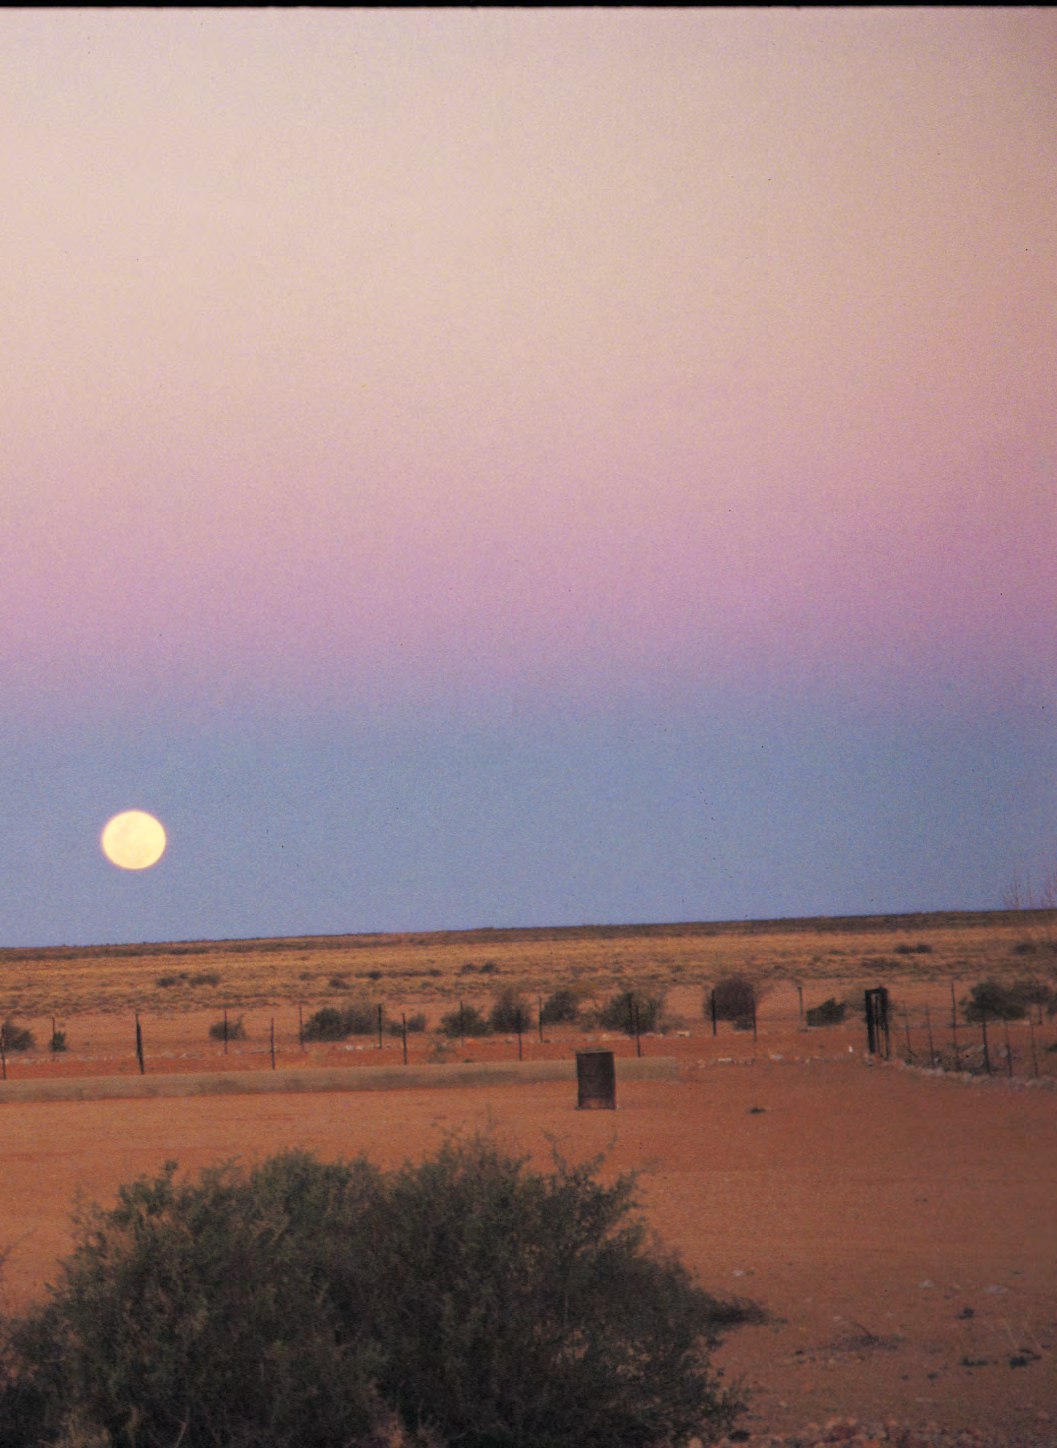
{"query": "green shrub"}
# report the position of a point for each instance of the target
(529, 1309)
(198, 1314)
(228, 1030)
(830, 1013)
(509, 1011)
(415, 1023)
(360, 1017)
(298, 1303)
(15, 1037)
(356, 1018)
(466, 1021)
(992, 1001)
(561, 1007)
(736, 998)
(619, 1012)
(325, 1024)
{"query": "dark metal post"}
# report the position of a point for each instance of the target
(139, 1047)
(272, 1042)
(987, 1053)
(540, 1016)
(379, 1028)
(403, 1029)
(754, 1017)
(519, 1033)
(800, 994)
(906, 1028)
(301, 1028)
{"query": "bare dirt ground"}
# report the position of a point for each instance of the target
(898, 1227)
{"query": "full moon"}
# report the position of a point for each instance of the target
(133, 840)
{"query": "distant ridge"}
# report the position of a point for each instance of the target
(485, 934)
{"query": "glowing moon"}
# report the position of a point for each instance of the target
(133, 840)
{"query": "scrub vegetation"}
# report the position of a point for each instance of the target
(466, 1299)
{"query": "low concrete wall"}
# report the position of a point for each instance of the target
(342, 1078)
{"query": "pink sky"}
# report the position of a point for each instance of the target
(566, 337)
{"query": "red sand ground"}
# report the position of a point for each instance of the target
(899, 1228)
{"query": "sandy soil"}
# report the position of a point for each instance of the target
(898, 1227)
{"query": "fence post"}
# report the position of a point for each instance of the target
(713, 1009)
(272, 1042)
(139, 1047)
(906, 1029)
(800, 994)
(379, 1028)
(403, 1031)
(987, 1053)
(954, 1031)
(754, 1018)
(540, 1016)
(301, 1028)
(519, 1033)
(928, 1028)
(225, 1030)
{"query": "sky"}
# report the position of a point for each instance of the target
(525, 467)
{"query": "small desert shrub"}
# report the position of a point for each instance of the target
(301, 1302)
(232, 1030)
(988, 999)
(466, 1021)
(415, 1024)
(375, 974)
(325, 1025)
(830, 1013)
(356, 1018)
(922, 948)
(561, 1007)
(1037, 993)
(509, 1011)
(205, 977)
(621, 1012)
(338, 982)
(736, 998)
(15, 1037)
(489, 967)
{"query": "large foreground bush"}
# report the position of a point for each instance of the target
(301, 1302)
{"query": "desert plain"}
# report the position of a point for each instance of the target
(894, 1218)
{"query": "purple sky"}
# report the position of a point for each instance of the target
(525, 467)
